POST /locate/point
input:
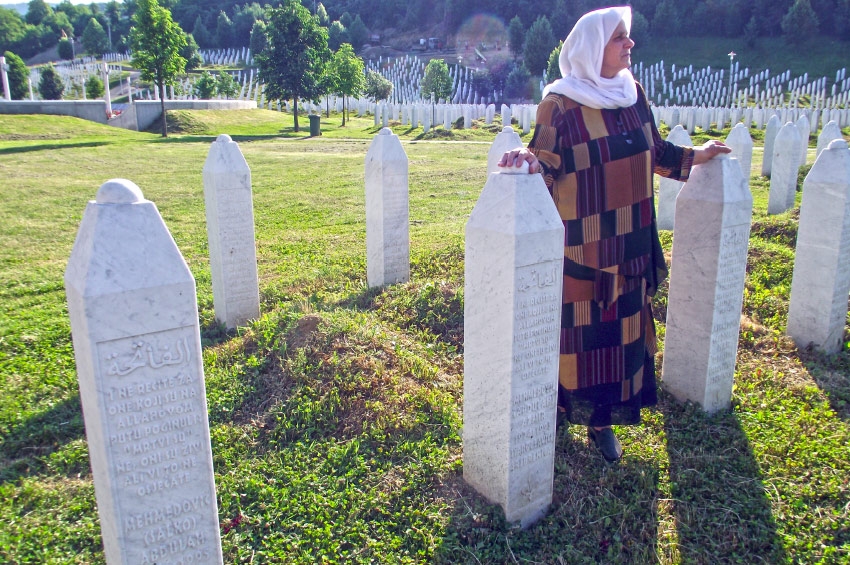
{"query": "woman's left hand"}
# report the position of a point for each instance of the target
(709, 150)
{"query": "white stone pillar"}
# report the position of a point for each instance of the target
(137, 344)
(387, 225)
(512, 304)
(784, 169)
(804, 128)
(742, 149)
(668, 189)
(107, 96)
(709, 262)
(506, 140)
(506, 115)
(5, 78)
(230, 231)
(829, 132)
(771, 130)
(817, 311)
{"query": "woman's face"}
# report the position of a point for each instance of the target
(618, 52)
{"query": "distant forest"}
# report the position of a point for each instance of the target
(225, 23)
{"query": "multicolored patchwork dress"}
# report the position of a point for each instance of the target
(598, 166)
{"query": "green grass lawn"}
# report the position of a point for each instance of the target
(336, 417)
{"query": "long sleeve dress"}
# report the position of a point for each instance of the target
(598, 166)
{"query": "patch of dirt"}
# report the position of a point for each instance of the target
(304, 329)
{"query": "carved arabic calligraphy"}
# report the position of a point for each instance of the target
(148, 355)
(538, 280)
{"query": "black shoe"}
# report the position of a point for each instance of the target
(607, 443)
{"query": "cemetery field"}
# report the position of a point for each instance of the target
(336, 416)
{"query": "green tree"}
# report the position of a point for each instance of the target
(377, 87)
(337, 35)
(191, 53)
(258, 37)
(205, 86)
(201, 33)
(553, 67)
(538, 44)
(751, 32)
(94, 38)
(322, 14)
(640, 29)
(293, 62)
(516, 36)
(223, 31)
(437, 80)
(64, 49)
(18, 75)
(226, 86)
(12, 28)
(347, 69)
(157, 40)
(94, 87)
(37, 10)
(50, 85)
(800, 23)
(243, 22)
(357, 32)
(665, 22)
(518, 84)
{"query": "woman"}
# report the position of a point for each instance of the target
(597, 146)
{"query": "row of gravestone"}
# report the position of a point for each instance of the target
(134, 320)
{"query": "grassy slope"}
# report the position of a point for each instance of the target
(335, 418)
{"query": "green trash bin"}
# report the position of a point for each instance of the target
(315, 125)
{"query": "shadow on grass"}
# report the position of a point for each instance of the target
(718, 497)
(23, 449)
(832, 375)
(49, 147)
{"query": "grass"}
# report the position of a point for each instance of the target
(335, 417)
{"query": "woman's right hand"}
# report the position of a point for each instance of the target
(516, 157)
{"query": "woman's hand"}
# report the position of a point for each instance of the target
(516, 157)
(710, 150)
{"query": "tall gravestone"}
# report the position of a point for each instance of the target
(387, 226)
(804, 129)
(829, 132)
(668, 189)
(230, 232)
(506, 140)
(506, 115)
(784, 169)
(742, 148)
(709, 261)
(817, 312)
(770, 132)
(137, 343)
(5, 78)
(512, 305)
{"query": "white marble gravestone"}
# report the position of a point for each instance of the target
(506, 115)
(230, 231)
(742, 149)
(709, 261)
(668, 189)
(137, 344)
(817, 311)
(5, 79)
(804, 128)
(512, 305)
(829, 132)
(506, 140)
(387, 226)
(784, 169)
(771, 129)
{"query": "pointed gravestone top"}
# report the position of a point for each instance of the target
(119, 191)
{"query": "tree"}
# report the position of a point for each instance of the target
(258, 37)
(665, 22)
(516, 36)
(482, 83)
(377, 87)
(18, 75)
(243, 22)
(225, 85)
(322, 14)
(12, 28)
(751, 32)
(223, 30)
(337, 35)
(205, 86)
(347, 69)
(64, 49)
(50, 85)
(191, 53)
(553, 67)
(94, 87)
(518, 83)
(293, 62)
(436, 80)
(538, 44)
(640, 30)
(201, 33)
(357, 32)
(94, 38)
(800, 22)
(37, 10)
(156, 40)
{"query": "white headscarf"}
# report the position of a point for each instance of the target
(581, 62)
